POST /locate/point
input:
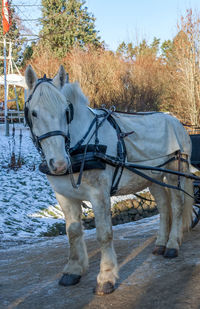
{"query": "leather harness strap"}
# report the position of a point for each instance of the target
(121, 153)
(135, 169)
(104, 117)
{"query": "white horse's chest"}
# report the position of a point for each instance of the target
(93, 182)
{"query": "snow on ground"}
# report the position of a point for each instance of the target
(27, 203)
(25, 191)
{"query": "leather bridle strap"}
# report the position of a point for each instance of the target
(38, 139)
(40, 81)
(51, 133)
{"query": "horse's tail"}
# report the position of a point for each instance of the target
(188, 201)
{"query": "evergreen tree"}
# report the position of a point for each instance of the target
(143, 49)
(66, 24)
(155, 45)
(167, 49)
(121, 49)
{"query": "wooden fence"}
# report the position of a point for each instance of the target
(13, 116)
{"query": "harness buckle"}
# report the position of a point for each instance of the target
(125, 134)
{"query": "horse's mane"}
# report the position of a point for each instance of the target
(48, 95)
(74, 94)
(51, 97)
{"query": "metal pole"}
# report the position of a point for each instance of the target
(5, 91)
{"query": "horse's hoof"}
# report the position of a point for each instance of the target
(170, 253)
(159, 250)
(69, 279)
(103, 289)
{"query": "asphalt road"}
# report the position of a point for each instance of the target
(29, 274)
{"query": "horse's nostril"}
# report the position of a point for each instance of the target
(57, 166)
(51, 163)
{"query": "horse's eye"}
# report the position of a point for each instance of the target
(34, 114)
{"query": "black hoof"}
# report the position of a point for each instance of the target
(69, 279)
(106, 288)
(159, 250)
(170, 253)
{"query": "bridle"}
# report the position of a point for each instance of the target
(69, 117)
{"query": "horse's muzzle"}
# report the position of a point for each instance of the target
(58, 167)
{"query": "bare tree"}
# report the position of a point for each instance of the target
(185, 68)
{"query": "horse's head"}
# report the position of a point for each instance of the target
(47, 114)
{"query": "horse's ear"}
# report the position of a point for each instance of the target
(30, 77)
(60, 78)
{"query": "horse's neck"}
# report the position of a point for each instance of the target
(80, 124)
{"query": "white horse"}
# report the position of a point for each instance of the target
(154, 143)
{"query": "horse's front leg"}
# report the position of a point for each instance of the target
(108, 267)
(78, 258)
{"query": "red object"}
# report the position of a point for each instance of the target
(6, 21)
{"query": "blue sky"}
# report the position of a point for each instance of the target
(134, 20)
(126, 20)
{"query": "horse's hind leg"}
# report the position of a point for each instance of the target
(162, 199)
(176, 231)
(181, 206)
(78, 258)
(108, 266)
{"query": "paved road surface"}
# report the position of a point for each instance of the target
(29, 274)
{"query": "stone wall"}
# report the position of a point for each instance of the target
(122, 212)
(126, 211)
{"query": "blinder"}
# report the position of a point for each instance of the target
(70, 113)
(28, 121)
